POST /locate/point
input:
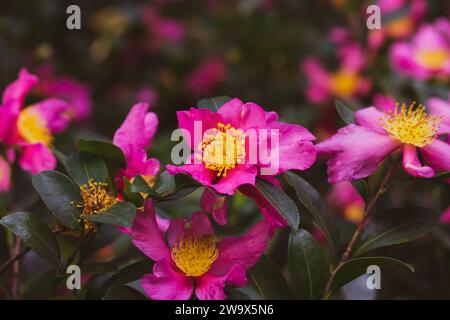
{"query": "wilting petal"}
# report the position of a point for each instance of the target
(437, 155)
(412, 165)
(244, 251)
(217, 205)
(56, 113)
(210, 287)
(5, 175)
(370, 118)
(355, 152)
(146, 235)
(36, 158)
(17, 90)
(167, 283)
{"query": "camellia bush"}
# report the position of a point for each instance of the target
(112, 188)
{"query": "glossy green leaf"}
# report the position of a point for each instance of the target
(135, 197)
(345, 112)
(280, 201)
(362, 186)
(84, 166)
(109, 152)
(307, 265)
(269, 280)
(59, 192)
(213, 103)
(396, 226)
(34, 233)
(122, 214)
(130, 273)
(315, 205)
(356, 267)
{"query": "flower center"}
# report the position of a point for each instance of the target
(411, 126)
(195, 255)
(32, 127)
(400, 27)
(96, 198)
(432, 59)
(223, 149)
(343, 83)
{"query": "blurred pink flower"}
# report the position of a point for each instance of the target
(205, 78)
(30, 130)
(428, 53)
(348, 201)
(445, 218)
(346, 82)
(5, 175)
(147, 95)
(357, 150)
(68, 89)
(188, 257)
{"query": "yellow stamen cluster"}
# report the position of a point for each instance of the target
(32, 127)
(411, 125)
(195, 255)
(96, 198)
(222, 149)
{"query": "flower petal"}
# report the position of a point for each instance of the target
(217, 205)
(56, 113)
(198, 226)
(231, 112)
(370, 118)
(17, 90)
(437, 155)
(36, 158)
(412, 165)
(5, 174)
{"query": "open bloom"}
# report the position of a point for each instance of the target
(240, 142)
(30, 129)
(357, 150)
(189, 256)
(345, 82)
(428, 53)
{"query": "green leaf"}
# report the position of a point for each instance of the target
(312, 201)
(84, 166)
(345, 112)
(356, 267)
(307, 265)
(109, 152)
(396, 226)
(99, 267)
(213, 103)
(123, 293)
(441, 176)
(362, 186)
(58, 192)
(34, 233)
(122, 213)
(280, 201)
(130, 273)
(269, 280)
(131, 196)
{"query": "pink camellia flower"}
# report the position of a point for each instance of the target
(427, 55)
(399, 20)
(357, 150)
(188, 256)
(238, 143)
(68, 89)
(30, 130)
(348, 201)
(133, 136)
(204, 79)
(346, 82)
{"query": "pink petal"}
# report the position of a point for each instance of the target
(445, 217)
(440, 108)
(17, 90)
(211, 287)
(138, 164)
(217, 205)
(231, 112)
(5, 173)
(8, 124)
(252, 116)
(167, 283)
(355, 152)
(412, 165)
(242, 174)
(146, 235)
(198, 226)
(55, 112)
(36, 158)
(196, 171)
(370, 118)
(437, 155)
(244, 251)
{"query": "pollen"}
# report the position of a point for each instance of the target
(32, 127)
(195, 255)
(96, 198)
(222, 149)
(411, 125)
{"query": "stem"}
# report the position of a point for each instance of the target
(16, 268)
(367, 213)
(11, 260)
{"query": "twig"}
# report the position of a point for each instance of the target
(11, 260)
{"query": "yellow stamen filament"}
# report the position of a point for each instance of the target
(432, 59)
(344, 83)
(222, 149)
(96, 198)
(32, 127)
(195, 255)
(411, 125)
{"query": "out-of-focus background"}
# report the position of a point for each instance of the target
(279, 54)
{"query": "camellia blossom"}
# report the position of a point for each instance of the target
(357, 150)
(189, 257)
(345, 82)
(232, 136)
(30, 129)
(206, 77)
(348, 201)
(428, 53)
